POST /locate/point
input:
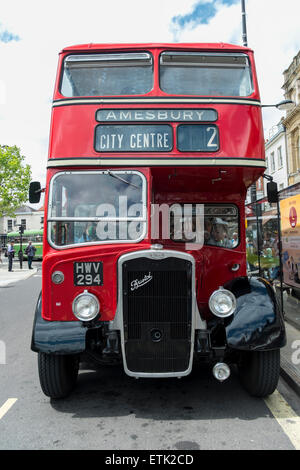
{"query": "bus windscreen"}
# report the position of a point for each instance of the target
(94, 207)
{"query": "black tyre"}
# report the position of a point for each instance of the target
(58, 374)
(259, 372)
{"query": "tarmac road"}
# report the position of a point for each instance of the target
(109, 410)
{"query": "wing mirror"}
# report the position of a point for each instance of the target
(35, 191)
(272, 192)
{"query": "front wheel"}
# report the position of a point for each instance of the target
(58, 374)
(259, 372)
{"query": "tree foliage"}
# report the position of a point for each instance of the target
(14, 180)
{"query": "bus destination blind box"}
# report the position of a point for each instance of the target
(156, 138)
(133, 138)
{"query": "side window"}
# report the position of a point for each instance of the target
(221, 225)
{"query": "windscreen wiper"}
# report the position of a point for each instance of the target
(122, 179)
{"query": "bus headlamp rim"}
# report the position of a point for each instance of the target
(213, 302)
(88, 295)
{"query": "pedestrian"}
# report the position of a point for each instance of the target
(10, 255)
(30, 252)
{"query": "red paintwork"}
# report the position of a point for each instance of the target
(72, 132)
(72, 135)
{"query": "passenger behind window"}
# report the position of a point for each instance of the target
(234, 240)
(219, 235)
(208, 240)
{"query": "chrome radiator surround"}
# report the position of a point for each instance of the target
(118, 323)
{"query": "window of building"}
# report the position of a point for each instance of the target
(272, 162)
(295, 158)
(9, 225)
(23, 223)
(259, 184)
(279, 157)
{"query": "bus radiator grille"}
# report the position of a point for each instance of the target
(157, 313)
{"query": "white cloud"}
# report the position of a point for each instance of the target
(28, 67)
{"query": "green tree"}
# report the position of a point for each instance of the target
(14, 180)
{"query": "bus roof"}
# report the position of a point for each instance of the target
(207, 46)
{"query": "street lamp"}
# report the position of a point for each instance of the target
(284, 105)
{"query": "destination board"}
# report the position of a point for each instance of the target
(171, 115)
(197, 138)
(133, 138)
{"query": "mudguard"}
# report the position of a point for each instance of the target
(257, 324)
(56, 337)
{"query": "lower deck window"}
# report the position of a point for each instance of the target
(72, 233)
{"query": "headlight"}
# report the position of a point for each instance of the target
(86, 306)
(222, 303)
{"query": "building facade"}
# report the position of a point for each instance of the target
(30, 218)
(276, 157)
(277, 163)
(291, 89)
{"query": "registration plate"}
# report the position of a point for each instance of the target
(88, 273)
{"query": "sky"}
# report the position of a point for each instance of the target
(32, 32)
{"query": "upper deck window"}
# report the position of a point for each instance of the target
(107, 74)
(205, 73)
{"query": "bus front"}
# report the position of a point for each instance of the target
(152, 149)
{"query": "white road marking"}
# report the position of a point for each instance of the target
(285, 416)
(7, 405)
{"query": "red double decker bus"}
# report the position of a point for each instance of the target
(152, 149)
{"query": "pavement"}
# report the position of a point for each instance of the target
(290, 354)
(7, 278)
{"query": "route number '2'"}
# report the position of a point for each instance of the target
(211, 142)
